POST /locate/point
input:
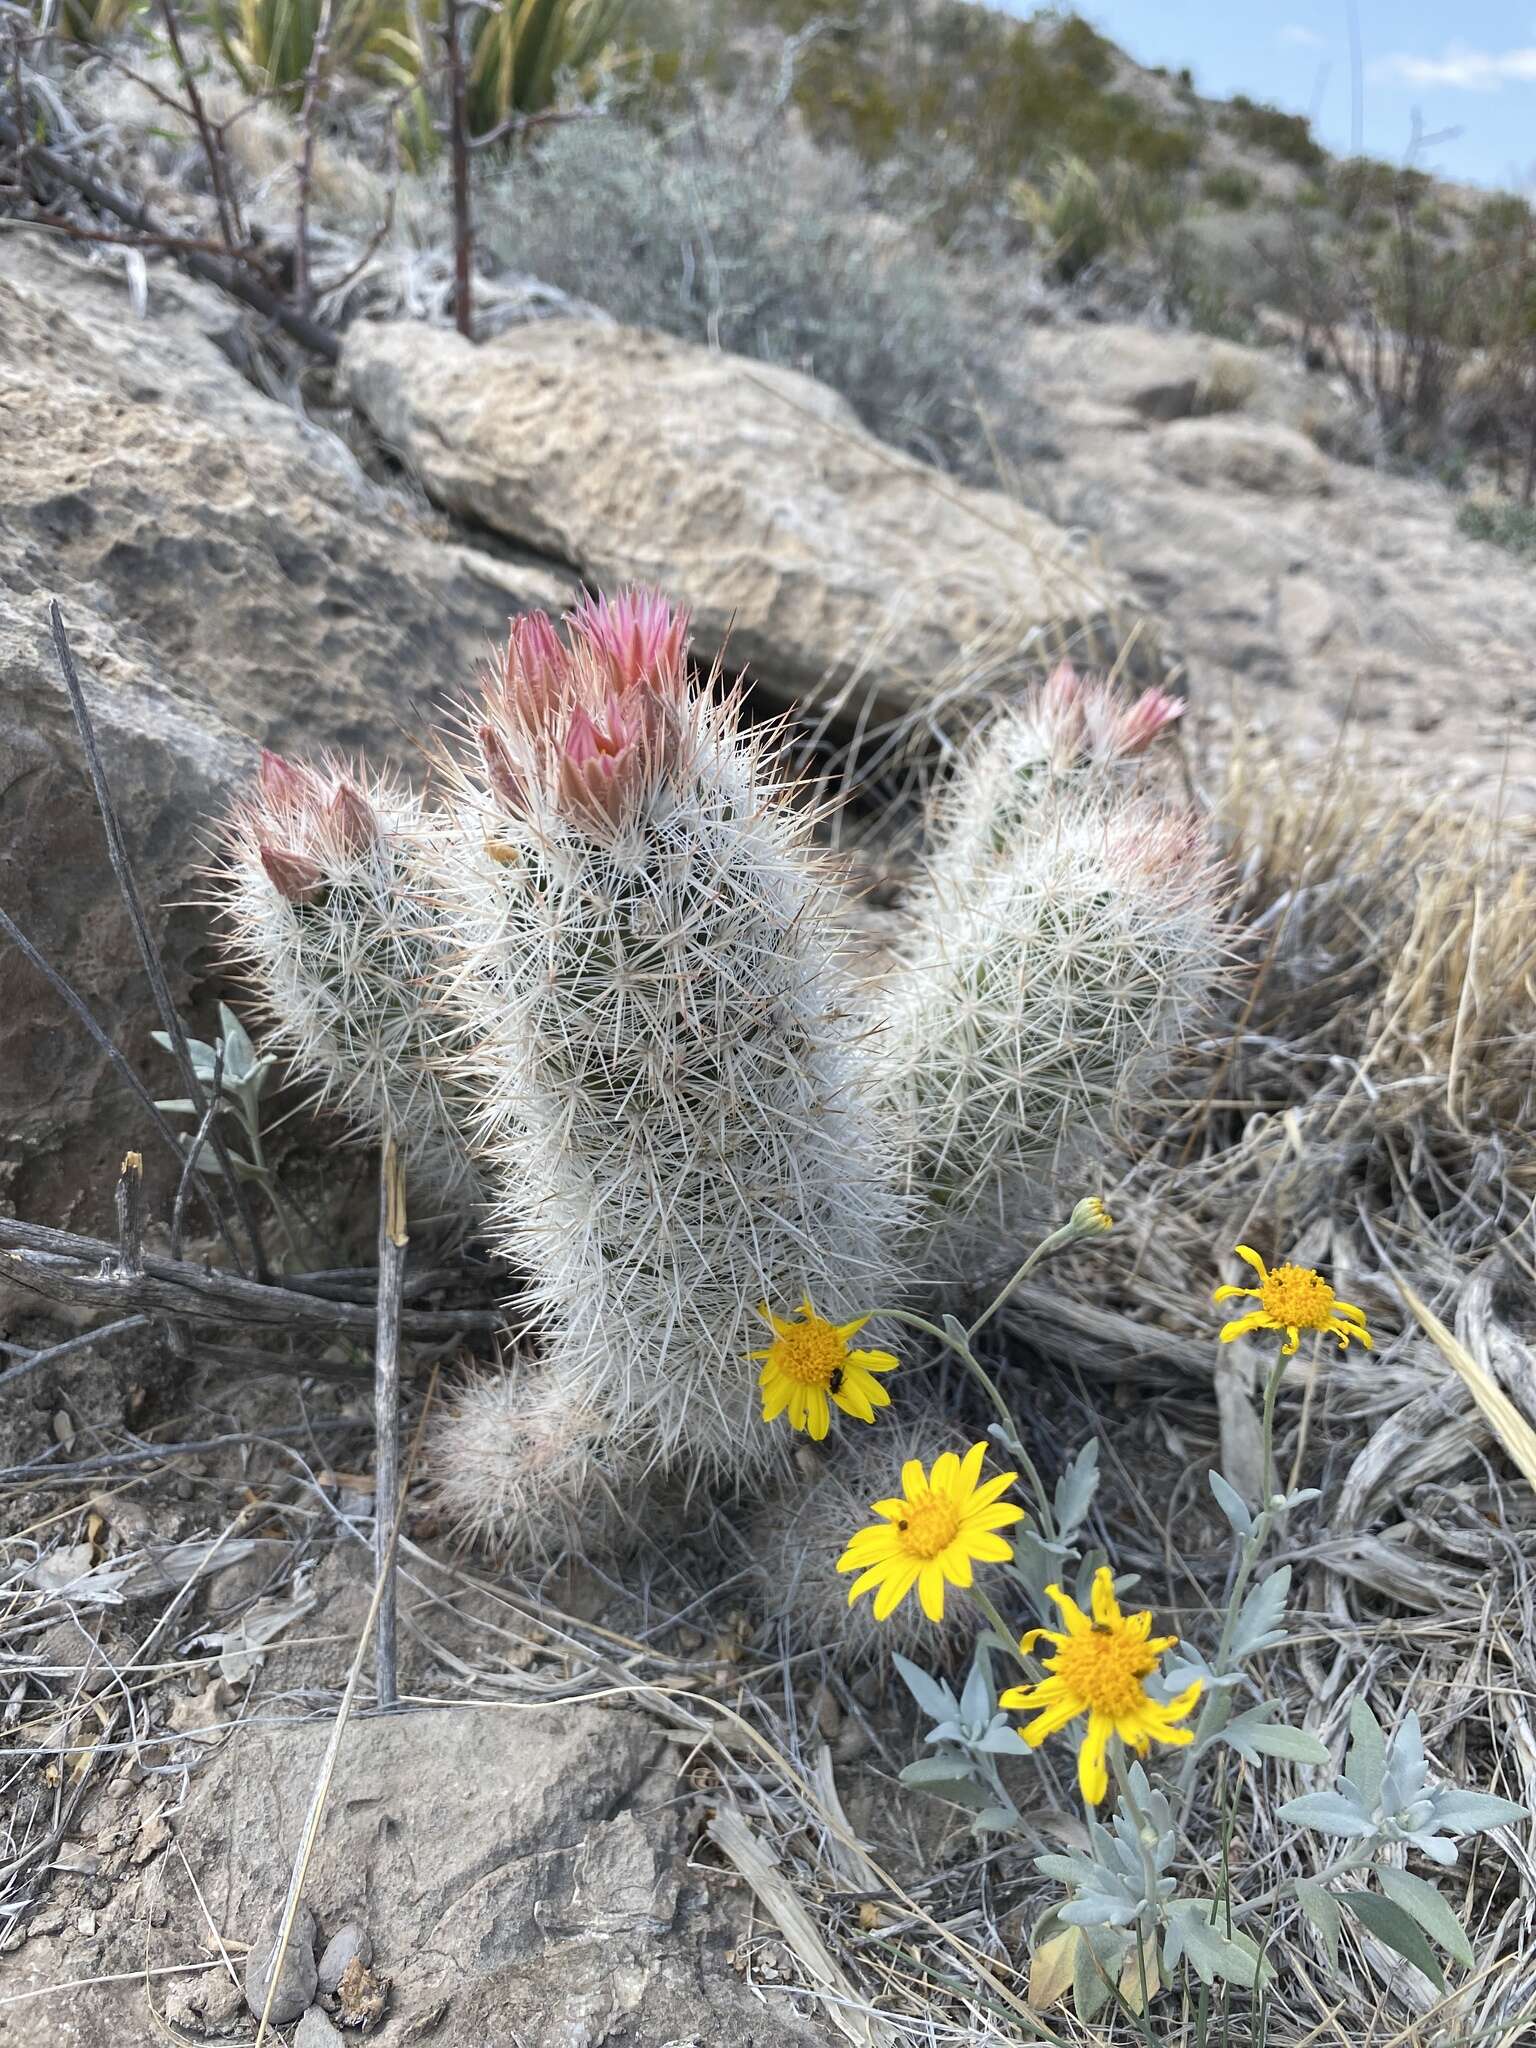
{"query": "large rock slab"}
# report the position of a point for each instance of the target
(813, 556)
(522, 1876)
(230, 577)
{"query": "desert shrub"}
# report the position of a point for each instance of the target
(89, 21)
(753, 241)
(1504, 521)
(1231, 187)
(1287, 136)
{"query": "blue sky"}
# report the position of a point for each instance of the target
(1470, 67)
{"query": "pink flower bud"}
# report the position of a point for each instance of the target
(1063, 711)
(1139, 726)
(291, 874)
(284, 784)
(350, 819)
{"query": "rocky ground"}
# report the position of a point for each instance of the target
(232, 575)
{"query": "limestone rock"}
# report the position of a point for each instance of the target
(821, 561)
(525, 1878)
(1253, 455)
(229, 577)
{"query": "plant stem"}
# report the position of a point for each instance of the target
(1010, 1636)
(988, 1385)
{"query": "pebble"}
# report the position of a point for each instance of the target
(344, 1944)
(296, 1979)
(316, 2031)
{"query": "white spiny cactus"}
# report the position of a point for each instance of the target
(331, 902)
(1040, 997)
(517, 1468)
(676, 1078)
(1074, 736)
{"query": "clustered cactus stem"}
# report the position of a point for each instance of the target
(599, 991)
(331, 902)
(678, 1080)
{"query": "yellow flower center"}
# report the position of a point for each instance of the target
(811, 1353)
(1297, 1298)
(929, 1526)
(1105, 1669)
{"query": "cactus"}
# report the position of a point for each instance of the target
(1041, 997)
(677, 1081)
(330, 899)
(518, 1470)
(1072, 737)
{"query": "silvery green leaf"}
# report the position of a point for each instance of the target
(1407, 1773)
(1212, 1952)
(179, 1108)
(239, 1053)
(1367, 1758)
(1100, 1956)
(995, 1820)
(1258, 1621)
(1232, 1504)
(1037, 1564)
(1389, 1923)
(1295, 1745)
(947, 1731)
(1097, 1909)
(1001, 1739)
(1469, 1813)
(1188, 1664)
(208, 1162)
(203, 1057)
(950, 1778)
(977, 1702)
(1069, 1869)
(1440, 1849)
(1431, 1909)
(934, 1697)
(1239, 1733)
(1298, 1499)
(1075, 1490)
(956, 1331)
(1329, 1813)
(1322, 1909)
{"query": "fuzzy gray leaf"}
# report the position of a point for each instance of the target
(1212, 1953)
(934, 1697)
(1431, 1909)
(1389, 1923)
(1322, 1909)
(1329, 1813)
(1367, 1759)
(1075, 1490)
(1232, 1504)
(1258, 1622)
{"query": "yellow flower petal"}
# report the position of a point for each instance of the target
(1241, 1325)
(1247, 1252)
(1092, 1771)
(1106, 1608)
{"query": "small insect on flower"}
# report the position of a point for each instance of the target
(809, 1363)
(1098, 1670)
(1292, 1299)
(930, 1537)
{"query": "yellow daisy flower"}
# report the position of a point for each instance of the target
(809, 1362)
(1098, 1670)
(930, 1537)
(1293, 1299)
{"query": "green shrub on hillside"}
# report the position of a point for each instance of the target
(1287, 136)
(747, 238)
(1504, 521)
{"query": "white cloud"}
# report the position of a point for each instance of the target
(1465, 69)
(1302, 38)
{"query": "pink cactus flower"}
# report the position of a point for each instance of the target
(638, 636)
(285, 785)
